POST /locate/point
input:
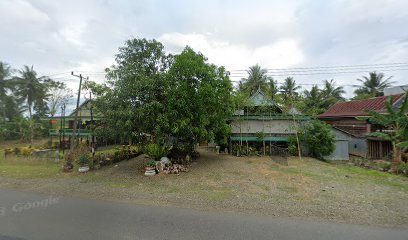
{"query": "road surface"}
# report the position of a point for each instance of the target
(36, 216)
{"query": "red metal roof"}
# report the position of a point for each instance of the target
(359, 107)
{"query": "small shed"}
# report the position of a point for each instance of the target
(341, 151)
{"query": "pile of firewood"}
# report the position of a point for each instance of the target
(175, 169)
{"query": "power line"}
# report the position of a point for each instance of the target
(314, 73)
(383, 65)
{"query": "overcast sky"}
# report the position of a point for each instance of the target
(61, 36)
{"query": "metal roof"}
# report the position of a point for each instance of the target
(358, 107)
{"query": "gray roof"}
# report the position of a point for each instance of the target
(258, 99)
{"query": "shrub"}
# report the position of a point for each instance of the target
(70, 157)
(384, 166)
(83, 160)
(403, 169)
(155, 151)
(319, 138)
(26, 151)
(150, 164)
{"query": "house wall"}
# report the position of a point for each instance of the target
(267, 126)
(350, 125)
(341, 151)
(358, 147)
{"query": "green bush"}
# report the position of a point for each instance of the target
(403, 169)
(155, 151)
(384, 166)
(83, 160)
(319, 139)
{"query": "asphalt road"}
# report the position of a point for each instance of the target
(34, 216)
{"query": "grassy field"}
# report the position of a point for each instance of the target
(305, 188)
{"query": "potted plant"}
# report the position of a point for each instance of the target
(83, 162)
(150, 168)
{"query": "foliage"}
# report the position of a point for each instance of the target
(373, 85)
(199, 99)
(316, 100)
(289, 90)
(319, 138)
(83, 160)
(403, 168)
(150, 164)
(156, 151)
(395, 120)
(59, 95)
(151, 92)
(257, 79)
(293, 146)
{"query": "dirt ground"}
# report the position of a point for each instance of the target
(307, 188)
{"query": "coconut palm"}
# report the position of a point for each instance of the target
(5, 86)
(331, 94)
(257, 79)
(313, 100)
(273, 88)
(289, 89)
(30, 88)
(373, 85)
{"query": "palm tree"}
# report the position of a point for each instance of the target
(257, 79)
(373, 85)
(5, 86)
(32, 89)
(313, 100)
(289, 88)
(331, 93)
(273, 88)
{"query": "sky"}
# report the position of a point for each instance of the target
(57, 37)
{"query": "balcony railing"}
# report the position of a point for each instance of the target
(70, 132)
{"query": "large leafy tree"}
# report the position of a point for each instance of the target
(257, 79)
(198, 100)
(59, 94)
(319, 138)
(395, 120)
(151, 92)
(289, 90)
(373, 85)
(132, 100)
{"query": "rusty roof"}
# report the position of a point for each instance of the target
(359, 107)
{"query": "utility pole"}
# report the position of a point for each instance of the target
(74, 140)
(92, 124)
(62, 130)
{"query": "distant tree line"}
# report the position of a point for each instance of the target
(312, 102)
(26, 98)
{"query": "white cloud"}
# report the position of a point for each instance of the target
(282, 53)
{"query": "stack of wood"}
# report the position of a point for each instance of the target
(175, 169)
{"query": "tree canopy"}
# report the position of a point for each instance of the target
(373, 85)
(151, 92)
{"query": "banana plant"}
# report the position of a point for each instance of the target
(395, 120)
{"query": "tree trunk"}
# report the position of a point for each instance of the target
(31, 124)
(396, 155)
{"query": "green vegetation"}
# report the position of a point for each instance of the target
(149, 91)
(373, 86)
(397, 122)
(318, 138)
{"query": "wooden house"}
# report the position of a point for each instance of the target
(352, 118)
(262, 120)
